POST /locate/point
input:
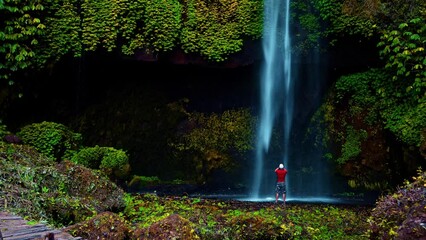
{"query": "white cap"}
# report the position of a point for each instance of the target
(281, 165)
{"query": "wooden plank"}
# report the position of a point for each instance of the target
(10, 218)
(26, 231)
(14, 227)
(33, 235)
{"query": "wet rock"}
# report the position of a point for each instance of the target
(172, 227)
(106, 226)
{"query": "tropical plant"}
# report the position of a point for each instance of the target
(404, 52)
(50, 138)
(111, 161)
(20, 30)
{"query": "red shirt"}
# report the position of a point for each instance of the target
(281, 172)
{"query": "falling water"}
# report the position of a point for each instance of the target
(276, 84)
(291, 90)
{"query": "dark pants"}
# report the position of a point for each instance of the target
(280, 188)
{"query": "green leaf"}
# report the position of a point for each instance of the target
(415, 37)
(403, 25)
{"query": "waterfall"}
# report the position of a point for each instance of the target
(291, 91)
(276, 86)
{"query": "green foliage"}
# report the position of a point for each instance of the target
(50, 138)
(57, 193)
(357, 88)
(215, 29)
(213, 140)
(36, 35)
(107, 159)
(63, 32)
(113, 159)
(309, 31)
(74, 27)
(324, 222)
(231, 129)
(253, 224)
(20, 29)
(352, 95)
(404, 52)
(150, 114)
(407, 122)
(390, 14)
(311, 24)
(90, 157)
(218, 219)
(355, 115)
(152, 26)
(388, 101)
(99, 24)
(344, 20)
(321, 23)
(148, 208)
(351, 148)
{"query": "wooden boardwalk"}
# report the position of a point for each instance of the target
(13, 227)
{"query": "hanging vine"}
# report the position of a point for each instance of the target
(212, 29)
(216, 28)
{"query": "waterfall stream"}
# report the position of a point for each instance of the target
(276, 86)
(290, 91)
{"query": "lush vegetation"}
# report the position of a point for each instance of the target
(214, 141)
(374, 119)
(193, 144)
(68, 194)
(63, 193)
(37, 34)
(400, 215)
(367, 113)
(54, 140)
(90, 205)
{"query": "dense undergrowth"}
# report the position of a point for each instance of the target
(90, 205)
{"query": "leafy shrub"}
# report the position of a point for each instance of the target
(50, 138)
(61, 194)
(400, 215)
(363, 114)
(90, 157)
(403, 50)
(111, 161)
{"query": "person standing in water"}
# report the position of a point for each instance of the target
(280, 188)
